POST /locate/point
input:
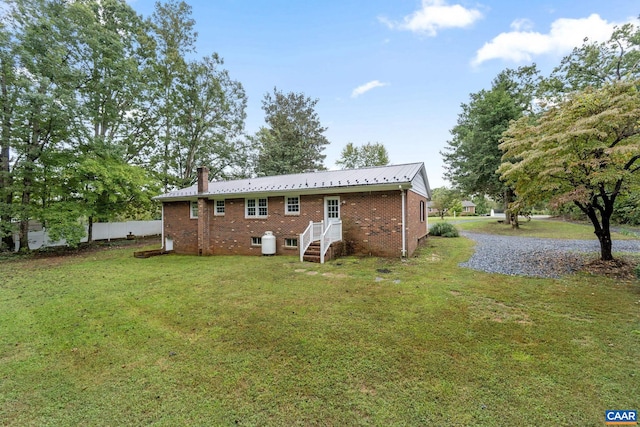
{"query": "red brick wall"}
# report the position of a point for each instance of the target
(179, 227)
(231, 233)
(416, 229)
(372, 222)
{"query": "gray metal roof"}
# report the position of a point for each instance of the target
(412, 175)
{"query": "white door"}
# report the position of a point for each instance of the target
(331, 209)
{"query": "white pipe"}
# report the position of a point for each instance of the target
(162, 245)
(404, 228)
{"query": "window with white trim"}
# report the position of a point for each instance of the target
(256, 208)
(219, 208)
(193, 210)
(256, 241)
(290, 242)
(292, 205)
(422, 211)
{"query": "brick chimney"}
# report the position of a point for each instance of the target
(203, 179)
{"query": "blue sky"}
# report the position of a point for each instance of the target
(390, 71)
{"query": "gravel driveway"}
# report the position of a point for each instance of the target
(528, 256)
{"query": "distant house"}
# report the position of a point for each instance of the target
(468, 208)
(378, 211)
(431, 209)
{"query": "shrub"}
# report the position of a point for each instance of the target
(444, 229)
(637, 271)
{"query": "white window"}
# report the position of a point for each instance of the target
(292, 205)
(193, 210)
(256, 208)
(256, 241)
(219, 211)
(290, 243)
(422, 216)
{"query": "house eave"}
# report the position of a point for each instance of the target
(284, 192)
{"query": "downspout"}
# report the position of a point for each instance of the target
(162, 243)
(404, 228)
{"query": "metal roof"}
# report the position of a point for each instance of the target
(364, 179)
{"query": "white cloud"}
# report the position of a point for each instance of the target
(522, 44)
(367, 87)
(522, 25)
(433, 16)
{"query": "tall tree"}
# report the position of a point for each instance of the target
(8, 100)
(293, 140)
(595, 64)
(175, 37)
(209, 122)
(584, 151)
(473, 156)
(46, 103)
(369, 154)
(116, 105)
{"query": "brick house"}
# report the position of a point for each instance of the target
(379, 211)
(468, 208)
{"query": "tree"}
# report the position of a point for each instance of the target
(294, 139)
(370, 154)
(209, 121)
(173, 29)
(116, 106)
(584, 151)
(45, 103)
(472, 156)
(596, 64)
(483, 205)
(8, 100)
(446, 201)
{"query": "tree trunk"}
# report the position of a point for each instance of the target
(606, 245)
(6, 193)
(515, 223)
(90, 230)
(6, 196)
(602, 230)
(507, 199)
(24, 217)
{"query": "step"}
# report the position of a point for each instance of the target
(311, 258)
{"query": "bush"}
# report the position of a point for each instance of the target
(637, 271)
(444, 229)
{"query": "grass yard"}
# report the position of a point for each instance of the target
(106, 339)
(543, 228)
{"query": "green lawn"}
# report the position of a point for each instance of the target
(543, 228)
(107, 339)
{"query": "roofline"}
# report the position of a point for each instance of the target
(307, 191)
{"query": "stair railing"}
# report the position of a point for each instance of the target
(332, 233)
(313, 233)
(305, 240)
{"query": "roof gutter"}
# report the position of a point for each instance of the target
(193, 196)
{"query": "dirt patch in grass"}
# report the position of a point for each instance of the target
(620, 269)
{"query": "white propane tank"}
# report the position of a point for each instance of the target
(268, 243)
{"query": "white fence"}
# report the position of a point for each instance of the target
(101, 231)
